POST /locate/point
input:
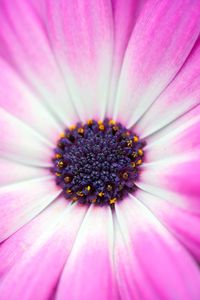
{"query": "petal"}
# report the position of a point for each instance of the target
(173, 168)
(17, 99)
(25, 45)
(184, 224)
(151, 264)
(163, 37)
(125, 14)
(22, 143)
(12, 172)
(178, 140)
(88, 273)
(44, 259)
(82, 38)
(24, 238)
(177, 182)
(181, 96)
(21, 202)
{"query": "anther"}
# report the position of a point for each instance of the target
(134, 154)
(60, 164)
(125, 176)
(112, 122)
(135, 139)
(88, 188)
(80, 130)
(90, 122)
(80, 194)
(100, 194)
(115, 128)
(129, 143)
(62, 135)
(140, 152)
(101, 127)
(113, 200)
(120, 187)
(67, 179)
(109, 187)
(74, 199)
(72, 127)
(138, 162)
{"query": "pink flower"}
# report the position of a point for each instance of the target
(68, 61)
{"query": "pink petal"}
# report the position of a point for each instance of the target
(125, 15)
(184, 224)
(21, 202)
(88, 273)
(12, 172)
(150, 262)
(24, 238)
(43, 261)
(19, 100)
(25, 45)
(178, 140)
(175, 181)
(163, 37)
(172, 169)
(82, 37)
(22, 143)
(182, 95)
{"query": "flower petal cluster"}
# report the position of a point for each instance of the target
(67, 61)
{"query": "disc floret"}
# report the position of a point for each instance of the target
(97, 162)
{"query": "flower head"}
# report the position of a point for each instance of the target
(99, 144)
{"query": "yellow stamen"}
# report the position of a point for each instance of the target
(113, 201)
(57, 174)
(115, 128)
(60, 164)
(72, 127)
(88, 188)
(74, 199)
(81, 130)
(112, 122)
(134, 154)
(80, 194)
(58, 155)
(139, 162)
(94, 200)
(100, 194)
(68, 191)
(62, 135)
(90, 122)
(133, 164)
(140, 152)
(101, 127)
(135, 138)
(100, 122)
(129, 143)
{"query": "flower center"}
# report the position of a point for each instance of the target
(97, 162)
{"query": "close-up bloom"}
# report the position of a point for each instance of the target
(99, 150)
